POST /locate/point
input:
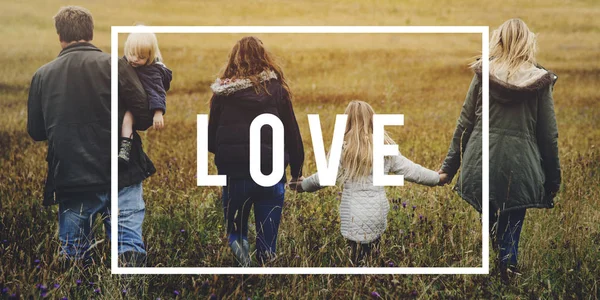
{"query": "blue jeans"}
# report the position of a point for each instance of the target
(238, 198)
(77, 213)
(506, 232)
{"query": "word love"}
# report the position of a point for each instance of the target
(327, 169)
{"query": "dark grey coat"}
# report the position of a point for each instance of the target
(69, 105)
(523, 158)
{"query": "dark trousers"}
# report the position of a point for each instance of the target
(359, 251)
(239, 196)
(505, 232)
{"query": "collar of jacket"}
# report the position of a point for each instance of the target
(228, 86)
(505, 92)
(541, 82)
(82, 46)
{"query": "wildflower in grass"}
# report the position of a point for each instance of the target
(176, 293)
(124, 291)
(391, 264)
(37, 261)
(414, 207)
(420, 217)
(91, 283)
(4, 241)
(97, 291)
(43, 287)
(44, 294)
(56, 285)
(37, 267)
(182, 230)
(375, 294)
(78, 282)
(404, 204)
(213, 297)
(395, 207)
(64, 298)
(4, 291)
(414, 293)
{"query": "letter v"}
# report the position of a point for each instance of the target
(327, 169)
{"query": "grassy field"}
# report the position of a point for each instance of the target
(425, 77)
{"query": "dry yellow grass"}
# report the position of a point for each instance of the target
(424, 77)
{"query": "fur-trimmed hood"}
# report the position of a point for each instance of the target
(521, 86)
(229, 86)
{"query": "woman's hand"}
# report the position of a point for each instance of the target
(444, 178)
(158, 120)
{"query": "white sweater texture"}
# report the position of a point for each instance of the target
(364, 207)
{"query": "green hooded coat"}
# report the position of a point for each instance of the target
(524, 167)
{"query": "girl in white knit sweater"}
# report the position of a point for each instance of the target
(364, 207)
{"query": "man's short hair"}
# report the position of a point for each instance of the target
(74, 23)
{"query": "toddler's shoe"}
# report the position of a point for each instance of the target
(124, 150)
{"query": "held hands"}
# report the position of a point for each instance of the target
(158, 121)
(444, 178)
(296, 184)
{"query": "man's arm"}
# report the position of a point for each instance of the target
(132, 94)
(35, 118)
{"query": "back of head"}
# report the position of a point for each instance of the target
(142, 45)
(357, 155)
(248, 59)
(511, 46)
(74, 23)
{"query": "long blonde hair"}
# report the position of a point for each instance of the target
(142, 45)
(511, 46)
(357, 153)
(248, 58)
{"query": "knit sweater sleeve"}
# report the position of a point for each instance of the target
(413, 172)
(311, 184)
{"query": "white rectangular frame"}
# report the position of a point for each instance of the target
(483, 30)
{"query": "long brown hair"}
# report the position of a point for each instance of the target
(248, 59)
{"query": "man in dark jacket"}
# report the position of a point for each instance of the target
(69, 105)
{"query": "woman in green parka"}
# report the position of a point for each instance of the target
(524, 166)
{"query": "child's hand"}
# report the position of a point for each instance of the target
(159, 122)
